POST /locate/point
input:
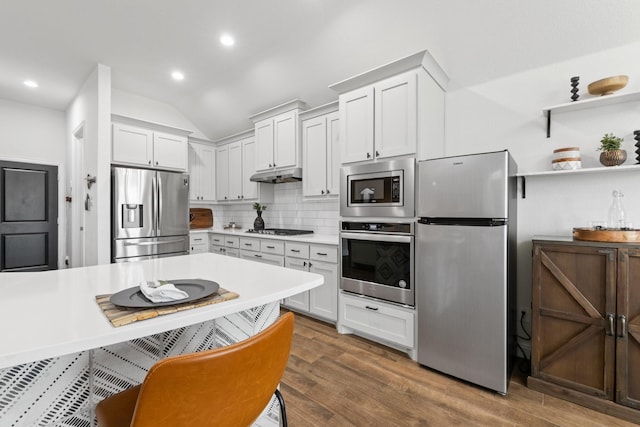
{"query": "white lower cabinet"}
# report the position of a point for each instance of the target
(320, 259)
(224, 245)
(377, 320)
(198, 243)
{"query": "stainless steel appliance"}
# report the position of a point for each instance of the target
(280, 231)
(466, 267)
(380, 189)
(150, 214)
(377, 260)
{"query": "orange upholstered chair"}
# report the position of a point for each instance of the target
(228, 386)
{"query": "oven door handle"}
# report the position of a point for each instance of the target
(377, 237)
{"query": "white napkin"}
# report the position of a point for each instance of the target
(161, 291)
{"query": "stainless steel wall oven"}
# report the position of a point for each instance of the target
(378, 260)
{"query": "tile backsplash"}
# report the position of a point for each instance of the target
(288, 210)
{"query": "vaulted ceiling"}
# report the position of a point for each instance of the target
(284, 49)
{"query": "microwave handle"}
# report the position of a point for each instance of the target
(377, 237)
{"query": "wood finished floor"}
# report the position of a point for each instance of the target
(344, 380)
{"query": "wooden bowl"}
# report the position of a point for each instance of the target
(608, 86)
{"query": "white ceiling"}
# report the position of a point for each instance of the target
(285, 49)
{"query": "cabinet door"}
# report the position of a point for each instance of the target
(235, 171)
(285, 144)
(628, 341)
(314, 156)
(333, 154)
(356, 124)
(249, 188)
(573, 294)
(396, 110)
(222, 173)
(132, 145)
(300, 301)
(264, 144)
(323, 300)
(207, 162)
(169, 151)
(194, 173)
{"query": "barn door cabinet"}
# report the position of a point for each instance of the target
(586, 324)
(393, 110)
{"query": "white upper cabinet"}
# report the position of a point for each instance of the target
(394, 110)
(276, 137)
(320, 152)
(202, 162)
(222, 173)
(140, 146)
(235, 164)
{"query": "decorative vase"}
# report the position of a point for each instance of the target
(613, 157)
(258, 223)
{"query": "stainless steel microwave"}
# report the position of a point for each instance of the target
(380, 189)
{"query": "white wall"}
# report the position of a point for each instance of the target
(507, 113)
(142, 108)
(92, 106)
(36, 135)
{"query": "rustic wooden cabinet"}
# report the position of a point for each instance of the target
(586, 324)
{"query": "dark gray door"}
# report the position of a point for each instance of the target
(28, 217)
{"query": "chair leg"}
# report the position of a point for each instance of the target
(283, 412)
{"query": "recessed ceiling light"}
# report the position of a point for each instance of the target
(31, 83)
(177, 75)
(227, 40)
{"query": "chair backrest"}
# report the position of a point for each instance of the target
(228, 386)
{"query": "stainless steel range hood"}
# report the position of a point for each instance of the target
(277, 177)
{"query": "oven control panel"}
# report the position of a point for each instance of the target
(379, 227)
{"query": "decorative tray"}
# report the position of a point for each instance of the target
(196, 288)
(604, 235)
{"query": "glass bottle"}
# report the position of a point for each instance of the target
(616, 218)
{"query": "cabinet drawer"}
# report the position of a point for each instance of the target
(323, 253)
(232, 242)
(200, 238)
(216, 239)
(264, 258)
(272, 247)
(377, 319)
(296, 250)
(250, 244)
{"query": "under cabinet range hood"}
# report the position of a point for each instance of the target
(277, 177)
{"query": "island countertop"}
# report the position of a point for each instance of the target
(52, 313)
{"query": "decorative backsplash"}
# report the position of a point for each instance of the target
(288, 210)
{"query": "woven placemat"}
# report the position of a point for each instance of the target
(119, 316)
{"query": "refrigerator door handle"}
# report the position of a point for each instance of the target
(159, 210)
(166, 242)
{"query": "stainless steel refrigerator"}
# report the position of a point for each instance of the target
(465, 280)
(149, 214)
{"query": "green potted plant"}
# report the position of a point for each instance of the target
(612, 154)
(258, 223)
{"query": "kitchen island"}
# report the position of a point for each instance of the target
(60, 355)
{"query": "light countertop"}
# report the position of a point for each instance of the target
(321, 239)
(51, 313)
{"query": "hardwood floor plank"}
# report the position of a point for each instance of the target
(344, 380)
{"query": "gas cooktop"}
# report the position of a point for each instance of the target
(280, 231)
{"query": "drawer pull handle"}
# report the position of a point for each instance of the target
(230, 241)
(623, 325)
(368, 307)
(257, 255)
(295, 250)
(271, 247)
(248, 244)
(321, 253)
